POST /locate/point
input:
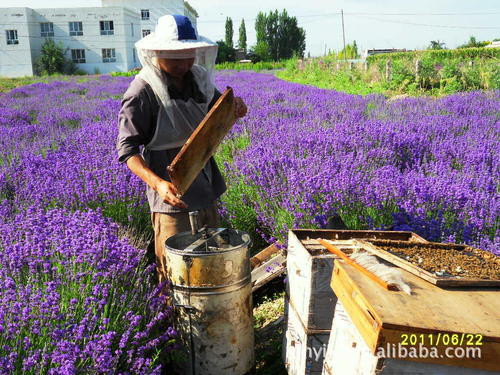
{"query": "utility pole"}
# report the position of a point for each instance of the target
(343, 33)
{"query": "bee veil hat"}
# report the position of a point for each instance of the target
(175, 37)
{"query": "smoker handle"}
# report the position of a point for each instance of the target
(193, 220)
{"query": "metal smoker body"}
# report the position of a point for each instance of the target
(210, 282)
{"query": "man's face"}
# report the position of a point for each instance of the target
(176, 67)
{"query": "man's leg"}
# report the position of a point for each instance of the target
(166, 226)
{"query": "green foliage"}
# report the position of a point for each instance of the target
(402, 75)
(436, 45)
(240, 215)
(242, 40)
(260, 52)
(7, 84)
(350, 52)
(439, 72)
(260, 27)
(435, 72)
(278, 36)
(258, 66)
(229, 32)
(125, 74)
(51, 59)
(473, 43)
(463, 54)
(323, 75)
(224, 53)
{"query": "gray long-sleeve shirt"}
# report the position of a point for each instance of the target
(137, 125)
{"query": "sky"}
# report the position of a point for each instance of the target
(406, 24)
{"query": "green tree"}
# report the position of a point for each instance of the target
(260, 27)
(224, 53)
(436, 44)
(272, 34)
(259, 52)
(229, 32)
(473, 43)
(355, 50)
(51, 59)
(242, 41)
(281, 34)
(350, 52)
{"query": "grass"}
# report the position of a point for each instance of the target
(258, 66)
(437, 75)
(7, 84)
(269, 330)
(351, 82)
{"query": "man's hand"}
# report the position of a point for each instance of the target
(167, 191)
(240, 108)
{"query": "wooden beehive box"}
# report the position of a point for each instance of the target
(303, 350)
(348, 354)
(431, 314)
(309, 269)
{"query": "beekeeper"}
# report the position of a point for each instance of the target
(162, 106)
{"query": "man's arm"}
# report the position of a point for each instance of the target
(135, 121)
(166, 190)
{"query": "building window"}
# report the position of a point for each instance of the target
(108, 55)
(134, 56)
(145, 14)
(132, 28)
(107, 27)
(12, 37)
(78, 56)
(47, 29)
(145, 32)
(75, 28)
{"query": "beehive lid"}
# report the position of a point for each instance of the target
(383, 316)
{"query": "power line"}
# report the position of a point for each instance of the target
(425, 14)
(432, 25)
(376, 14)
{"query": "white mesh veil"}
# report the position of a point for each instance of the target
(162, 44)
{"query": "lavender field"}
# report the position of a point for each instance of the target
(76, 294)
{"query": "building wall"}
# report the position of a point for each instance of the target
(157, 8)
(125, 31)
(15, 59)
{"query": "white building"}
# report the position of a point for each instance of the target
(97, 39)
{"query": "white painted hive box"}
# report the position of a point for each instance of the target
(303, 350)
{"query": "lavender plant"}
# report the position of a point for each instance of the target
(421, 164)
(77, 298)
